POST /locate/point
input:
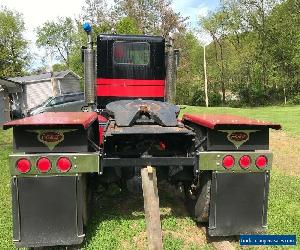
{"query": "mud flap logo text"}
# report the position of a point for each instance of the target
(51, 138)
(238, 137)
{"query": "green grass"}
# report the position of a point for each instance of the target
(288, 117)
(117, 221)
(5, 197)
(284, 208)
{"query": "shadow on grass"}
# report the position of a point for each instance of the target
(215, 239)
(114, 205)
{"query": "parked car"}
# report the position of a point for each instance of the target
(63, 103)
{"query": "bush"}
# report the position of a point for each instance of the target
(198, 98)
(295, 100)
(214, 98)
(257, 95)
(184, 92)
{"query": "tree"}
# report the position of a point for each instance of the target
(95, 11)
(152, 16)
(127, 25)
(170, 20)
(14, 56)
(283, 43)
(59, 67)
(190, 71)
(252, 17)
(99, 13)
(254, 49)
(214, 24)
(58, 38)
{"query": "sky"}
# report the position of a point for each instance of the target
(195, 9)
(36, 12)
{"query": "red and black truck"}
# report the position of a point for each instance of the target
(223, 162)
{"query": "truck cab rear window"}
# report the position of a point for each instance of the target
(134, 53)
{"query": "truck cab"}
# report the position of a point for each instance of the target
(130, 67)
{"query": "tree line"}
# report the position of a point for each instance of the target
(255, 51)
(252, 60)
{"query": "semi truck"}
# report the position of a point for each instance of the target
(130, 128)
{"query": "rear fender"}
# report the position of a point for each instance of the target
(233, 133)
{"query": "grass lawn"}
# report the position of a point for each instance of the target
(118, 220)
(5, 199)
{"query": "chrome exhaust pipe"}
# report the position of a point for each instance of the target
(170, 72)
(89, 68)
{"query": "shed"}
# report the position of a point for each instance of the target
(38, 88)
(10, 97)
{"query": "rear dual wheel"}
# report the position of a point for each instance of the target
(198, 197)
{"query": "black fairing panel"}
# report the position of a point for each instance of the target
(238, 203)
(47, 211)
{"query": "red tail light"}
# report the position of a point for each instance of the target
(44, 165)
(23, 166)
(228, 161)
(245, 161)
(64, 164)
(162, 146)
(261, 161)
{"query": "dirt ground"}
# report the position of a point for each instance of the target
(286, 149)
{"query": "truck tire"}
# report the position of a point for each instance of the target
(198, 197)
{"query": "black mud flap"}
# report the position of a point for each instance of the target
(238, 203)
(47, 211)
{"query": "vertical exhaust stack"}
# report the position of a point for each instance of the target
(89, 68)
(171, 71)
